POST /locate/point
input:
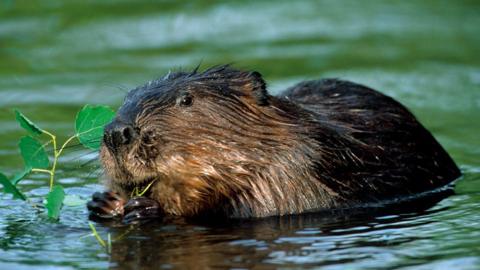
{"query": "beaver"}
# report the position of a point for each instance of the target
(217, 143)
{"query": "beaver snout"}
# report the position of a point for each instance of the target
(118, 134)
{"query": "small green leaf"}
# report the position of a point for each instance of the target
(55, 201)
(33, 153)
(27, 124)
(90, 123)
(19, 176)
(8, 187)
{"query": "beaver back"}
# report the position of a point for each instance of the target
(377, 149)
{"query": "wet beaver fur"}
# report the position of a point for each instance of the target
(216, 143)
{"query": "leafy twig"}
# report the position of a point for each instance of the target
(89, 125)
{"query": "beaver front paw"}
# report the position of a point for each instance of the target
(140, 209)
(106, 205)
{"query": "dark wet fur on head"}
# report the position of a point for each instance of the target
(215, 142)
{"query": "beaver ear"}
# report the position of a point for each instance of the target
(258, 88)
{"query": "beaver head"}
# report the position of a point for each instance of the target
(204, 138)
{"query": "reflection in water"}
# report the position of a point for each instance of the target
(315, 239)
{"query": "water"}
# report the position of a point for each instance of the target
(58, 56)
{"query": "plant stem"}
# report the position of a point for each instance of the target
(109, 243)
(146, 189)
(42, 171)
(95, 233)
(65, 144)
(52, 171)
(56, 154)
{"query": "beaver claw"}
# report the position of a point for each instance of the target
(109, 205)
(105, 205)
(141, 208)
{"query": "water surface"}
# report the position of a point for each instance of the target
(58, 56)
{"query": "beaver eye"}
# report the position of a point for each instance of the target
(186, 100)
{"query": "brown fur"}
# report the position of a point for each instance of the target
(237, 151)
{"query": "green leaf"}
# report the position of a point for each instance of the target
(33, 153)
(27, 124)
(55, 201)
(19, 176)
(90, 123)
(9, 187)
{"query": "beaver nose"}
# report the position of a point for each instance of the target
(117, 134)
